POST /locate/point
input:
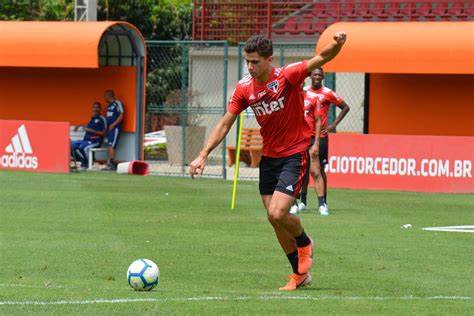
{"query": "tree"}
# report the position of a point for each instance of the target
(156, 19)
(37, 10)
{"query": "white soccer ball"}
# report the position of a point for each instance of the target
(143, 275)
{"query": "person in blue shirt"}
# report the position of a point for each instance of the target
(115, 114)
(95, 131)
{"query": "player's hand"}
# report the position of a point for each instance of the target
(314, 151)
(197, 166)
(330, 128)
(340, 38)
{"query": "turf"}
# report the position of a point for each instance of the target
(70, 238)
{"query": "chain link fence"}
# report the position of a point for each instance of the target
(188, 84)
(186, 97)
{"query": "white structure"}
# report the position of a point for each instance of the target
(85, 10)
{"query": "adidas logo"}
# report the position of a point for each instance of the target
(20, 142)
(252, 97)
(19, 152)
(290, 188)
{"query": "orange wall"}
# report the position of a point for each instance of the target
(421, 104)
(409, 47)
(53, 94)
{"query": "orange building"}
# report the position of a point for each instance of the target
(54, 71)
(419, 75)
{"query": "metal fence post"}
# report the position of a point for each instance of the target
(330, 82)
(224, 104)
(184, 103)
(282, 56)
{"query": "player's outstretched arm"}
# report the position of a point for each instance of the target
(328, 52)
(216, 137)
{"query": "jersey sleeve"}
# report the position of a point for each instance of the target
(119, 107)
(334, 98)
(237, 102)
(296, 73)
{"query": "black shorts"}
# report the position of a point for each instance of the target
(323, 151)
(283, 174)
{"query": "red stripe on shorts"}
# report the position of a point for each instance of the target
(304, 163)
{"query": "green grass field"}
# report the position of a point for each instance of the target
(67, 240)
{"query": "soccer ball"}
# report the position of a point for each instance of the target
(143, 275)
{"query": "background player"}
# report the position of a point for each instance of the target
(313, 116)
(326, 96)
(115, 115)
(95, 131)
(274, 94)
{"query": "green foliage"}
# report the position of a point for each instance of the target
(156, 152)
(17, 10)
(56, 10)
(156, 19)
(71, 237)
(171, 22)
(37, 10)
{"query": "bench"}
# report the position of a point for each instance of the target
(79, 135)
(91, 154)
(250, 148)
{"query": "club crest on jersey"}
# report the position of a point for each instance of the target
(273, 86)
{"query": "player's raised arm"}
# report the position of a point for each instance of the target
(328, 52)
(216, 137)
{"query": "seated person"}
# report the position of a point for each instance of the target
(95, 131)
(115, 113)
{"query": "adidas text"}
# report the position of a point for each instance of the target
(19, 160)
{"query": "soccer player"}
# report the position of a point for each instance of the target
(114, 126)
(274, 94)
(312, 114)
(95, 131)
(325, 96)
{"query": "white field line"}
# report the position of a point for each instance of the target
(242, 298)
(455, 229)
(47, 286)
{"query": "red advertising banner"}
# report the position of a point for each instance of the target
(400, 162)
(34, 146)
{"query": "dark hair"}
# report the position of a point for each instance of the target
(319, 68)
(110, 93)
(260, 44)
(98, 103)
